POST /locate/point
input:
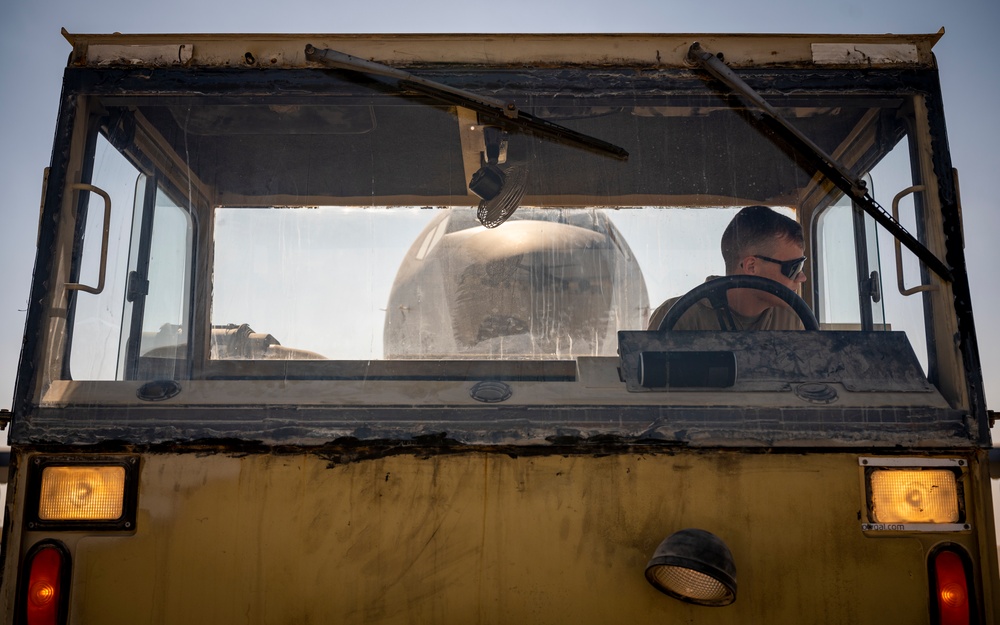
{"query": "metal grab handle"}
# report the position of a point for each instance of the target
(899, 250)
(76, 286)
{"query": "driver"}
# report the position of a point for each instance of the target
(757, 242)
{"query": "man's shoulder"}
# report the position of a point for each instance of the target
(661, 311)
(682, 324)
(700, 316)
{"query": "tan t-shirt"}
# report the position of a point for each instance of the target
(702, 316)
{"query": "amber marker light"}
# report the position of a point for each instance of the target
(83, 492)
(914, 494)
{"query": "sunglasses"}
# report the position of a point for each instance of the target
(789, 268)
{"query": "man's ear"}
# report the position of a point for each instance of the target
(749, 265)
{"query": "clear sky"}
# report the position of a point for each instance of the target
(34, 55)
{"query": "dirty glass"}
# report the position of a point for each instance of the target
(165, 283)
(98, 318)
(342, 227)
(148, 263)
(410, 282)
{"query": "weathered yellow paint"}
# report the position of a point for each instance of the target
(483, 537)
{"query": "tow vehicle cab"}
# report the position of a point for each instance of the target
(353, 328)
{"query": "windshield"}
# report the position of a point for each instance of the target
(349, 225)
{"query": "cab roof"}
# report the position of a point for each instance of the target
(647, 50)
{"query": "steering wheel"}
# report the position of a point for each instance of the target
(715, 292)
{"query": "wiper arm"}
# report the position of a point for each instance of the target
(839, 175)
(506, 112)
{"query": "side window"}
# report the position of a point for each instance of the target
(97, 319)
(904, 307)
(849, 278)
(159, 293)
(850, 247)
(143, 308)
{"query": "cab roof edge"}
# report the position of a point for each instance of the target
(117, 37)
(587, 49)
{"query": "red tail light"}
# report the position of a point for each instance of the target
(45, 586)
(951, 589)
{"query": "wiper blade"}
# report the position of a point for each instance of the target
(839, 175)
(506, 113)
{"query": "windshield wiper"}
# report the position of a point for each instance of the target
(839, 175)
(507, 113)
